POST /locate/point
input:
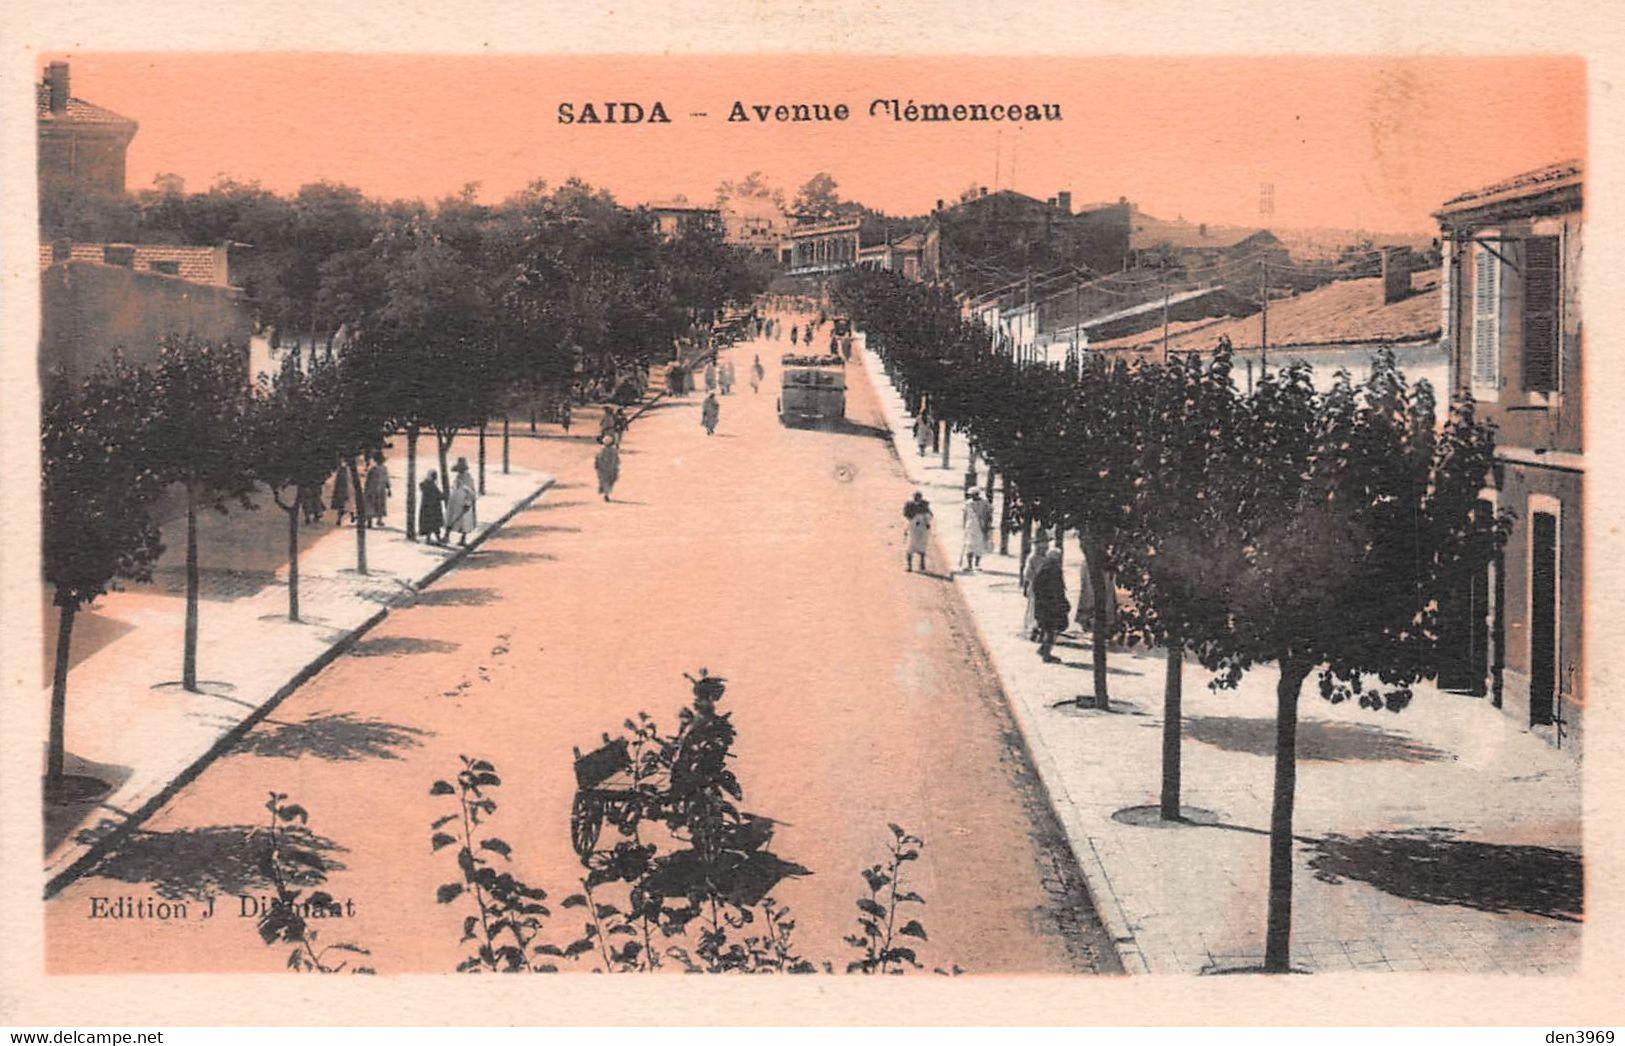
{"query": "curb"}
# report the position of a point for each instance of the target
(93, 854)
(1112, 917)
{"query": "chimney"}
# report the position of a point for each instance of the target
(939, 205)
(1063, 200)
(1396, 274)
(984, 190)
(56, 78)
(1201, 230)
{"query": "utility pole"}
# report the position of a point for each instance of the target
(1027, 310)
(1264, 332)
(1077, 320)
(1165, 319)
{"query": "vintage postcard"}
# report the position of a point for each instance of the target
(1080, 518)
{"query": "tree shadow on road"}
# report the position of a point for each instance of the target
(1431, 866)
(1318, 739)
(195, 863)
(397, 646)
(485, 558)
(338, 737)
(457, 597)
(527, 529)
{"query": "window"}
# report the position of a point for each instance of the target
(1486, 321)
(168, 267)
(1540, 310)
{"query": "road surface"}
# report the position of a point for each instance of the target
(772, 557)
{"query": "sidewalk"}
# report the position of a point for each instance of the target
(130, 723)
(1441, 838)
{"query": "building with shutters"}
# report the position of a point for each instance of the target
(1512, 324)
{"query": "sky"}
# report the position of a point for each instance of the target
(1345, 141)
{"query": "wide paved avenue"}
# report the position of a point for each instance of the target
(772, 557)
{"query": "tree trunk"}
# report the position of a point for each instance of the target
(1096, 559)
(1004, 518)
(533, 419)
(947, 434)
(189, 647)
(411, 483)
(360, 519)
(293, 560)
(482, 458)
(504, 444)
(57, 748)
(1278, 932)
(443, 441)
(1026, 548)
(990, 476)
(1173, 693)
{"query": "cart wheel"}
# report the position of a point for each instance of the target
(586, 821)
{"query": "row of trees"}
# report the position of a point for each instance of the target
(1319, 532)
(394, 318)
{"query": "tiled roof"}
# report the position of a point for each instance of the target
(1530, 183)
(1147, 232)
(78, 111)
(1345, 312)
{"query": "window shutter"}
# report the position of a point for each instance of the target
(1540, 299)
(1486, 317)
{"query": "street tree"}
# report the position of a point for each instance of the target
(1181, 556)
(291, 445)
(198, 440)
(1096, 452)
(1358, 514)
(99, 482)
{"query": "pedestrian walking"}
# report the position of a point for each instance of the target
(795, 335)
(608, 466)
(431, 509)
(728, 377)
(341, 493)
(978, 518)
(708, 413)
(1029, 624)
(310, 502)
(756, 374)
(922, 432)
(621, 424)
(461, 513)
(375, 492)
(606, 426)
(917, 523)
(710, 375)
(807, 336)
(1050, 604)
(564, 415)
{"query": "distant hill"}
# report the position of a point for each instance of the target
(1323, 241)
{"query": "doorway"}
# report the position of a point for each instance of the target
(1542, 617)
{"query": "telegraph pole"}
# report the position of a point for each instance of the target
(1165, 319)
(1264, 333)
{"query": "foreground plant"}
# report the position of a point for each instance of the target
(508, 913)
(879, 935)
(288, 858)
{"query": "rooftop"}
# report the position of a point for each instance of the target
(79, 111)
(1346, 312)
(1565, 175)
(1146, 232)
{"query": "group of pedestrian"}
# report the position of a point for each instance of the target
(440, 516)
(368, 510)
(1047, 605)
